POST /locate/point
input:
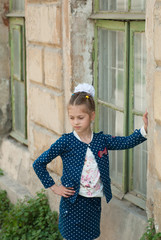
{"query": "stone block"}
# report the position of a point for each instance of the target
(46, 108)
(44, 23)
(157, 32)
(157, 96)
(157, 209)
(53, 68)
(15, 191)
(35, 64)
(36, 186)
(157, 151)
(40, 140)
(15, 160)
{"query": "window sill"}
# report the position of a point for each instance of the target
(19, 138)
(129, 197)
(16, 14)
(118, 16)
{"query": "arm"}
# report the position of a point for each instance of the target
(41, 162)
(121, 143)
(46, 157)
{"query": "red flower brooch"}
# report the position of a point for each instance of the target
(100, 153)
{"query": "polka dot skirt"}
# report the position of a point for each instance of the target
(80, 220)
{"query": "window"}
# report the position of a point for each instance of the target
(18, 70)
(120, 60)
(17, 5)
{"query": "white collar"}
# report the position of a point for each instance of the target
(76, 135)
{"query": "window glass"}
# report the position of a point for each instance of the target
(138, 5)
(139, 152)
(107, 5)
(18, 5)
(111, 122)
(111, 67)
(122, 5)
(19, 99)
(16, 53)
(139, 163)
(139, 71)
(18, 80)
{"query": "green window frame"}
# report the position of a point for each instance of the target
(18, 71)
(122, 23)
(126, 6)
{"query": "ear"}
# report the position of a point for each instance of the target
(93, 116)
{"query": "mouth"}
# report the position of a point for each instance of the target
(76, 127)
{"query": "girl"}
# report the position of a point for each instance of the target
(85, 159)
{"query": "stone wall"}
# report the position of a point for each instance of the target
(48, 82)
(45, 71)
(153, 34)
(59, 44)
(5, 110)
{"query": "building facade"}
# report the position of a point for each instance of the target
(49, 46)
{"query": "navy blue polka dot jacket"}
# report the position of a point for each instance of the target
(73, 151)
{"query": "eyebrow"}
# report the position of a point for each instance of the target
(76, 116)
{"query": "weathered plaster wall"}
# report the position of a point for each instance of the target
(82, 35)
(153, 33)
(59, 35)
(48, 81)
(5, 112)
(45, 75)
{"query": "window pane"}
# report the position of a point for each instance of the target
(138, 5)
(18, 5)
(16, 54)
(139, 163)
(139, 71)
(107, 5)
(111, 122)
(111, 67)
(19, 106)
(18, 77)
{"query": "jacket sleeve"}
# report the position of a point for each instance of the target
(46, 157)
(121, 143)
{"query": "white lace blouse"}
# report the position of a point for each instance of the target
(90, 185)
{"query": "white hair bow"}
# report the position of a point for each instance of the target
(85, 87)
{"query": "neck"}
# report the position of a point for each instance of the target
(86, 136)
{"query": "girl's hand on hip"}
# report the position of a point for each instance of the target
(145, 120)
(62, 191)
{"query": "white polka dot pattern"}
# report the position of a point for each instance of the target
(73, 151)
(81, 220)
(77, 210)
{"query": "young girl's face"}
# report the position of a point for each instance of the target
(80, 119)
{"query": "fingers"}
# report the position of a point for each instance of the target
(145, 117)
(63, 191)
(68, 192)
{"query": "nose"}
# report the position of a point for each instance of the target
(76, 122)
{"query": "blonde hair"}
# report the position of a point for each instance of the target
(82, 98)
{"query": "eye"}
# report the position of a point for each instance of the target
(80, 118)
(71, 118)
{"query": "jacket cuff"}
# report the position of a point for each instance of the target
(143, 132)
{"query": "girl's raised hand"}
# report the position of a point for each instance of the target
(62, 191)
(145, 120)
